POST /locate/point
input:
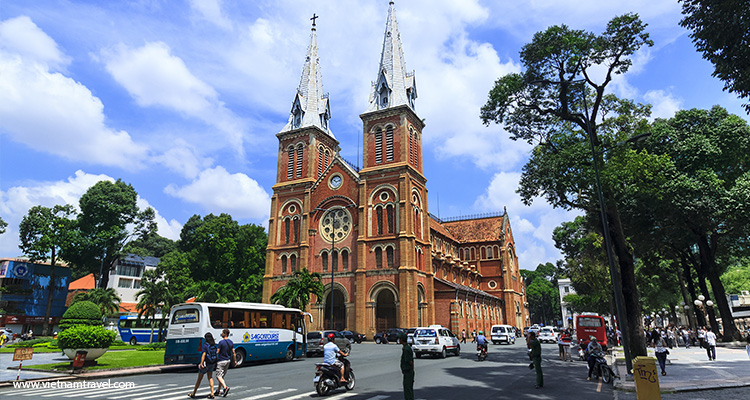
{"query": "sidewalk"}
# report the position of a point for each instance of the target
(689, 369)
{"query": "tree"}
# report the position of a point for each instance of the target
(107, 299)
(150, 245)
(549, 106)
(151, 298)
(45, 233)
(3, 225)
(721, 32)
(296, 293)
(108, 210)
(542, 293)
(737, 278)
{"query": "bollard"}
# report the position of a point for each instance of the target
(646, 379)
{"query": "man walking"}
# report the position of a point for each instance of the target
(536, 358)
(407, 367)
(463, 336)
(226, 355)
(711, 345)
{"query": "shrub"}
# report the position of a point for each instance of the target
(81, 313)
(31, 343)
(118, 343)
(83, 336)
(152, 346)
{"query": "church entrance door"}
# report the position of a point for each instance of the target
(385, 311)
(339, 311)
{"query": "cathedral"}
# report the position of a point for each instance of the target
(386, 261)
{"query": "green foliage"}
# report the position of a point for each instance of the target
(152, 346)
(737, 278)
(118, 343)
(82, 336)
(81, 313)
(3, 225)
(150, 245)
(31, 343)
(296, 292)
(107, 299)
(721, 32)
(542, 293)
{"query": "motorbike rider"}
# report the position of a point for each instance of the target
(330, 351)
(595, 351)
(482, 341)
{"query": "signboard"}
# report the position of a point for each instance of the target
(23, 353)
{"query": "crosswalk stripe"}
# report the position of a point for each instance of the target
(140, 388)
(181, 397)
(260, 396)
(172, 389)
(378, 397)
(35, 392)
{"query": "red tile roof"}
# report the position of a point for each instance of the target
(476, 230)
(86, 283)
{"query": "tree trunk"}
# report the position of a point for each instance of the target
(690, 312)
(633, 311)
(720, 298)
(50, 295)
(700, 317)
(704, 289)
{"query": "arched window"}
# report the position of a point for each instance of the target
(379, 212)
(326, 156)
(293, 262)
(290, 163)
(489, 252)
(286, 230)
(473, 254)
(389, 254)
(389, 214)
(324, 261)
(496, 251)
(411, 146)
(296, 229)
(484, 253)
(389, 144)
(335, 260)
(345, 260)
(283, 265)
(417, 225)
(299, 160)
(379, 258)
(378, 146)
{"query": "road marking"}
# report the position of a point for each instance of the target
(157, 391)
(379, 397)
(260, 396)
(181, 397)
(599, 386)
(129, 389)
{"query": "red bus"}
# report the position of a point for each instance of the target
(589, 324)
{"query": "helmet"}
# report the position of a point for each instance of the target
(593, 338)
(331, 336)
(480, 332)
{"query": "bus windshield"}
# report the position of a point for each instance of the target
(590, 322)
(186, 315)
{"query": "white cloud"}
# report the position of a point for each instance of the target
(50, 112)
(665, 104)
(183, 158)
(218, 191)
(169, 229)
(211, 11)
(155, 77)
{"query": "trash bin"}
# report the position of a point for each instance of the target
(646, 378)
(79, 359)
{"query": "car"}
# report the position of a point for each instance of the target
(502, 334)
(436, 340)
(387, 336)
(410, 335)
(534, 328)
(547, 335)
(317, 339)
(525, 331)
(354, 337)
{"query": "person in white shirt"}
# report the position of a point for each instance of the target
(330, 350)
(711, 345)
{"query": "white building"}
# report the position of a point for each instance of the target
(125, 278)
(566, 287)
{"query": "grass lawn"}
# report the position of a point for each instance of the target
(114, 359)
(48, 350)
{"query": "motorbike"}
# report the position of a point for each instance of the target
(327, 377)
(602, 369)
(481, 352)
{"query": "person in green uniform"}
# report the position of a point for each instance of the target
(536, 358)
(407, 367)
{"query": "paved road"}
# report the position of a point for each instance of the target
(6, 361)
(505, 375)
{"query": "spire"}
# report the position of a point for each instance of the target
(310, 106)
(393, 86)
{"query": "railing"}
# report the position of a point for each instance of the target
(351, 164)
(467, 217)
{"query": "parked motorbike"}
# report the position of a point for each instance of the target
(327, 377)
(602, 369)
(481, 352)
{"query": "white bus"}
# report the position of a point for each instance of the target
(259, 331)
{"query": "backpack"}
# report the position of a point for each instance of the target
(211, 355)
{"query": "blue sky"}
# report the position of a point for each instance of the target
(182, 99)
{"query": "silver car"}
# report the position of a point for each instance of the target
(317, 339)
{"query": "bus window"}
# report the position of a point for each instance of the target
(239, 318)
(186, 316)
(590, 322)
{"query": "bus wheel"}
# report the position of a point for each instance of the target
(133, 341)
(289, 354)
(240, 357)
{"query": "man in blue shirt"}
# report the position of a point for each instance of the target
(330, 350)
(226, 354)
(482, 341)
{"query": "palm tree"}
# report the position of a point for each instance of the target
(107, 299)
(296, 292)
(153, 295)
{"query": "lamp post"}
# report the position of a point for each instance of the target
(335, 224)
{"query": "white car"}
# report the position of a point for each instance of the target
(502, 334)
(547, 335)
(436, 340)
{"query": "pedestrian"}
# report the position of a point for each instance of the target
(463, 336)
(3, 338)
(567, 342)
(207, 365)
(686, 337)
(747, 346)
(536, 357)
(226, 356)
(711, 345)
(702, 338)
(560, 347)
(660, 350)
(595, 350)
(407, 367)
(474, 336)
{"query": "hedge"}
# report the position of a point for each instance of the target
(153, 346)
(30, 343)
(81, 313)
(83, 336)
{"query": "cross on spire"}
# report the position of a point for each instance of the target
(314, 17)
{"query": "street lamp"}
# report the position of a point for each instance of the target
(337, 221)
